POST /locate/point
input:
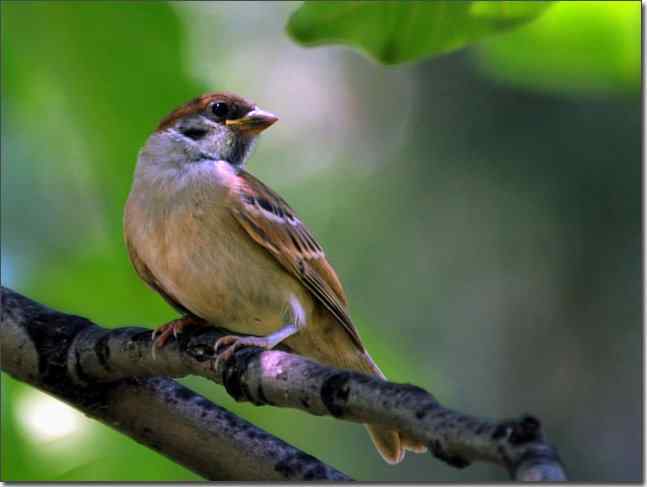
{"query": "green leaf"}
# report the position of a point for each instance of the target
(395, 32)
(576, 48)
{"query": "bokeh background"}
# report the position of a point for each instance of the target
(483, 209)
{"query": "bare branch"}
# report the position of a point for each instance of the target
(37, 347)
(283, 379)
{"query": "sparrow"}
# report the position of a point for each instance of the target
(225, 250)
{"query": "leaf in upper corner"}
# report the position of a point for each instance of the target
(399, 31)
(577, 48)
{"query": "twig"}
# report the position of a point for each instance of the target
(283, 379)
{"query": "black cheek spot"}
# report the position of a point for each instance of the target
(194, 133)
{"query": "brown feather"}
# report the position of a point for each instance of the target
(149, 278)
(270, 222)
(199, 104)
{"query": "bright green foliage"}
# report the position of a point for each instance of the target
(397, 32)
(578, 47)
(488, 234)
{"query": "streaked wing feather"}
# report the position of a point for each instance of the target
(270, 222)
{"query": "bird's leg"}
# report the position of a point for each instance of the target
(162, 334)
(227, 345)
(295, 316)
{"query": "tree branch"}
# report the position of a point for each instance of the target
(94, 354)
(39, 346)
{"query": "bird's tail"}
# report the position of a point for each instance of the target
(345, 354)
(391, 444)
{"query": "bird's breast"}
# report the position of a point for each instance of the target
(202, 257)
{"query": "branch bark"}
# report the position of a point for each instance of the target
(90, 355)
(41, 347)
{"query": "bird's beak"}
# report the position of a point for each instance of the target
(255, 121)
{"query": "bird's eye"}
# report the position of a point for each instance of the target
(194, 133)
(220, 109)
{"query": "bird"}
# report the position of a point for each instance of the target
(225, 250)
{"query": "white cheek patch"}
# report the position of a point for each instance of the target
(207, 121)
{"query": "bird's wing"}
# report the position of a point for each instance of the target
(270, 222)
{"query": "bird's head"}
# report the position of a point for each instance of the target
(219, 126)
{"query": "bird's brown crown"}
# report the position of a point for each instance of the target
(239, 104)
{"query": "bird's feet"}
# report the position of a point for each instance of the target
(162, 334)
(226, 346)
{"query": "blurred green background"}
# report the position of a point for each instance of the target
(483, 209)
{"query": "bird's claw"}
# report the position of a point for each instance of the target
(226, 346)
(161, 335)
